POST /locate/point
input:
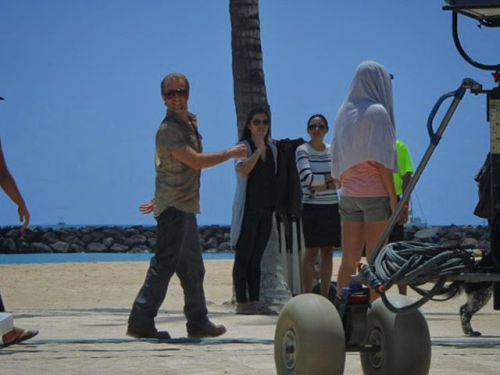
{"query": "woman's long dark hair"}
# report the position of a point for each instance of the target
(246, 134)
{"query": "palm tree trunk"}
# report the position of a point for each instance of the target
(250, 92)
(248, 71)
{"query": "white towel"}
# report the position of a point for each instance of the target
(365, 129)
(6, 323)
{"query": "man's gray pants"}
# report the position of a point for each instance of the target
(178, 250)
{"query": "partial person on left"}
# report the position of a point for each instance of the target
(9, 333)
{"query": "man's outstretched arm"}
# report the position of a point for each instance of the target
(197, 160)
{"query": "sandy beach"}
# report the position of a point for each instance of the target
(81, 311)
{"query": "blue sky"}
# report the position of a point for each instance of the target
(81, 81)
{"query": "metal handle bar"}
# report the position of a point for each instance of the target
(461, 50)
(435, 137)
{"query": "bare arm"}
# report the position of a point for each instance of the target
(403, 219)
(248, 165)
(9, 185)
(388, 181)
(330, 184)
(196, 160)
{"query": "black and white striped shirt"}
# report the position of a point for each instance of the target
(313, 166)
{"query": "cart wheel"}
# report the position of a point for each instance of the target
(404, 340)
(309, 337)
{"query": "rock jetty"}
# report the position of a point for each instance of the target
(99, 239)
(142, 239)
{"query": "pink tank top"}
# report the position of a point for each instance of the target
(363, 180)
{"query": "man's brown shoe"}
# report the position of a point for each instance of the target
(138, 334)
(208, 330)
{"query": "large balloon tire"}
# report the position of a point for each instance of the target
(404, 340)
(309, 338)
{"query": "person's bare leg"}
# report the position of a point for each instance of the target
(373, 232)
(326, 269)
(308, 269)
(352, 248)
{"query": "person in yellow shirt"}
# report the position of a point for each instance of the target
(401, 181)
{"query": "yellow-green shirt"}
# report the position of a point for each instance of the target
(405, 165)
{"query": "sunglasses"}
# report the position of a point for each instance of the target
(260, 122)
(316, 127)
(176, 93)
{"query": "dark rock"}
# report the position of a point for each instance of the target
(86, 238)
(40, 247)
(14, 234)
(111, 232)
(483, 244)
(130, 231)
(211, 243)
(224, 246)
(427, 235)
(469, 243)
(116, 247)
(152, 242)
(50, 237)
(474, 232)
(136, 239)
(108, 241)
(35, 235)
(149, 233)
(60, 247)
(485, 236)
(76, 248)
(97, 236)
(96, 247)
(140, 249)
(9, 246)
(454, 234)
(120, 237)
(68, 237)
(78, 242)
(449, 244)
(24, 247)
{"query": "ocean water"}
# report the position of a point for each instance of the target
(48, 258)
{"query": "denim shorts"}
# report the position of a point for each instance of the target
(364, 209)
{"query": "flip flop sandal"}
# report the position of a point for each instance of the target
(25, 335)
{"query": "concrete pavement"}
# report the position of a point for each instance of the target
(82, 310)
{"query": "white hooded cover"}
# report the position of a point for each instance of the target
(365, 128)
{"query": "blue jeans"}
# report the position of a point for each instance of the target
(178, 250)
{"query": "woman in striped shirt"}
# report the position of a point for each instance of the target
(320, 216)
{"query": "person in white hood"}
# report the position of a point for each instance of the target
(364, 159)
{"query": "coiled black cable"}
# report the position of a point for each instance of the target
(416, 263)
